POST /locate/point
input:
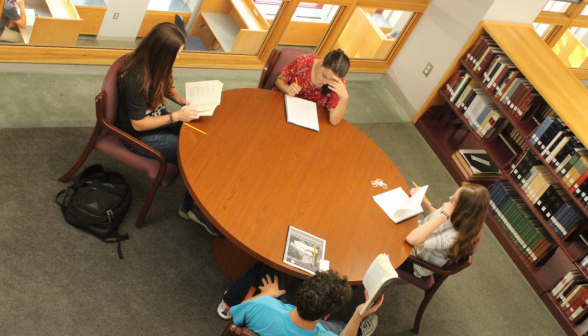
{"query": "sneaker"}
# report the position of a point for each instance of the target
(224, 311)
(197, 216)
(368, 325)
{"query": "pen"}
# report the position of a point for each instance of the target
(313, 255)
(426, 199)
(196, 128)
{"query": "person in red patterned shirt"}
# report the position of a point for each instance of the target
(321, 81)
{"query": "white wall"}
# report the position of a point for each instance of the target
(126, 27)
(519, 11)
(441, 33)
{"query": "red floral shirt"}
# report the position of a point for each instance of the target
(300, 68)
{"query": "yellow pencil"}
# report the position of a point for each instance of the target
(296, 79)
(426, 199)
(313, 255)
(196, 128)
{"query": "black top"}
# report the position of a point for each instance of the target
(132, 104)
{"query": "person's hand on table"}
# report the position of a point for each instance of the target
(186, 114)
(293, 89)
(336, 85)
(270, 288)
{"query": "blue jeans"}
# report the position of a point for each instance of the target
(165, 140)
(252, 278)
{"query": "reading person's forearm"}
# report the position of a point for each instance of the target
(352, 326)
(336, 114)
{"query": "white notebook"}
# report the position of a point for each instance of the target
(399, 206)
(302, 112)
(204, 96)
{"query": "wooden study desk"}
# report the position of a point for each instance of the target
(57, 23)
(254, 175)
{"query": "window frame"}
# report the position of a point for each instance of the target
(106, 56)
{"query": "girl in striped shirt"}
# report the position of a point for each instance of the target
(450, 232)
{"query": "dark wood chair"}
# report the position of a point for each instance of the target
(430, 284)
(108, 139)
(276, 61)
(233, 330)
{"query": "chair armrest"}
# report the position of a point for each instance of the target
(100, 112)
(442, 271)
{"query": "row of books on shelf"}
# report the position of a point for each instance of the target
(543, 190)
(503, 79)
(565, 154)
(475, 105)
(514, 140)
(572, 295)
(518, 221)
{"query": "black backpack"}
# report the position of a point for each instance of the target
(97, 203)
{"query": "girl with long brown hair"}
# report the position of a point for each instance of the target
(144, 81)
(448, 233)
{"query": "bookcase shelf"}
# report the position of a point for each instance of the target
(567, 97)
(575, 250)
(524, 128)
(447, 140)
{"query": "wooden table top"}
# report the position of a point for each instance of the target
(254, 175)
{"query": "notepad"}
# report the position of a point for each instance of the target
(204, 96)
(399, 206)
(378, 278)
(301, 112)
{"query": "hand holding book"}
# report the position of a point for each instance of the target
(368, 311)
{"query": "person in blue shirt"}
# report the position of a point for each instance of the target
(269, 312)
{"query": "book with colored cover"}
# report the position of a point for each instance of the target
(378, 279)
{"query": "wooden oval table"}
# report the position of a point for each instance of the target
(254, 175)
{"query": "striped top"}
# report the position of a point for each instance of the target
(436, 245)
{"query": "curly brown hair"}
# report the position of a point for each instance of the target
(321, 295)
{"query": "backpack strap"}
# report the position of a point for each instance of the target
(62, 204)
(87, 174)
(116, 237)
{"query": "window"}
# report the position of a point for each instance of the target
(372, 33)
(556, 6)
(571, 48)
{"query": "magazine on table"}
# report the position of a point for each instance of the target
(303, 250)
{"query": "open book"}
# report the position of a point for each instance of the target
(204, 96)
(378, 278)
(302, 112)
(399, 206)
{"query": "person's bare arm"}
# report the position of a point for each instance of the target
(289, 89)
(149, 123)
(22, 22)
(418, 236)
(353, 324)
(177, 97)
(336, 115)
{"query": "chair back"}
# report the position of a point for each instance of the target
(233, 330)
(110, 87)
(276, 61)
(181, 24)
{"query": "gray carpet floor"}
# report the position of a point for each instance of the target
(56, 280)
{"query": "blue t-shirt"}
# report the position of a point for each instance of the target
(267, 316)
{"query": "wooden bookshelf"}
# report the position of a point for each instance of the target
(567, 97)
